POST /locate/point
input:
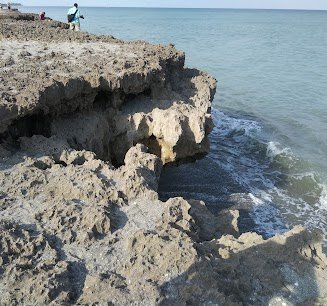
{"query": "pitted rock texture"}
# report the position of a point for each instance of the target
(75, 229)
(31, 269)
(79, 231)
(101, 94)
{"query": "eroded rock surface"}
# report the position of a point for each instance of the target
(101, 94)
(82, 233)
(77, 230)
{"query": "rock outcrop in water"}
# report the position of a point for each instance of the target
(87, 123)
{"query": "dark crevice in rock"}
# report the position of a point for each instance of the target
(111, 147)
(78, 273)
(60, 162)
(36, 124)
(153, 145)
(133, 96)
(41, 165)
(185, 160)
(103, 100)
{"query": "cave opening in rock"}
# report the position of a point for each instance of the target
(103, 100)
(102, 127)
(36, 124)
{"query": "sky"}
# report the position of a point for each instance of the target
(267, 4)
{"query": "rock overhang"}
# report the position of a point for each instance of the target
(128, 92)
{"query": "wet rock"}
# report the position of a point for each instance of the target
(227, 222)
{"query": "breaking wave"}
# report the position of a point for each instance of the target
(284, 189)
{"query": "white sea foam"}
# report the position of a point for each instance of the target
(267, 216)
(323, 197)
(275, 208)
(275, 149)
(227, 125)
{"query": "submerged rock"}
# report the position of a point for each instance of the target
(83, 140)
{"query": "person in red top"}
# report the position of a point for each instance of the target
(42, 16)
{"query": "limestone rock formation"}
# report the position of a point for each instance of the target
(84, 136)
(101, 94)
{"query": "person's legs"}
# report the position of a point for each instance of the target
(77, 27)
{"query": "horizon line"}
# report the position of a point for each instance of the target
(204, 8)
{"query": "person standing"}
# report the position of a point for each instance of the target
(74, 16)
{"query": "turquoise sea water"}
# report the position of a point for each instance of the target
(271, 103)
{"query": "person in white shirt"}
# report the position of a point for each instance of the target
(74, 16)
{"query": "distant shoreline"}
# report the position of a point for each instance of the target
(187, 8)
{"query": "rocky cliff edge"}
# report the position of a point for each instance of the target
(101, 94)
(87, 123)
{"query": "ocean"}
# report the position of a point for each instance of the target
(269, 144)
